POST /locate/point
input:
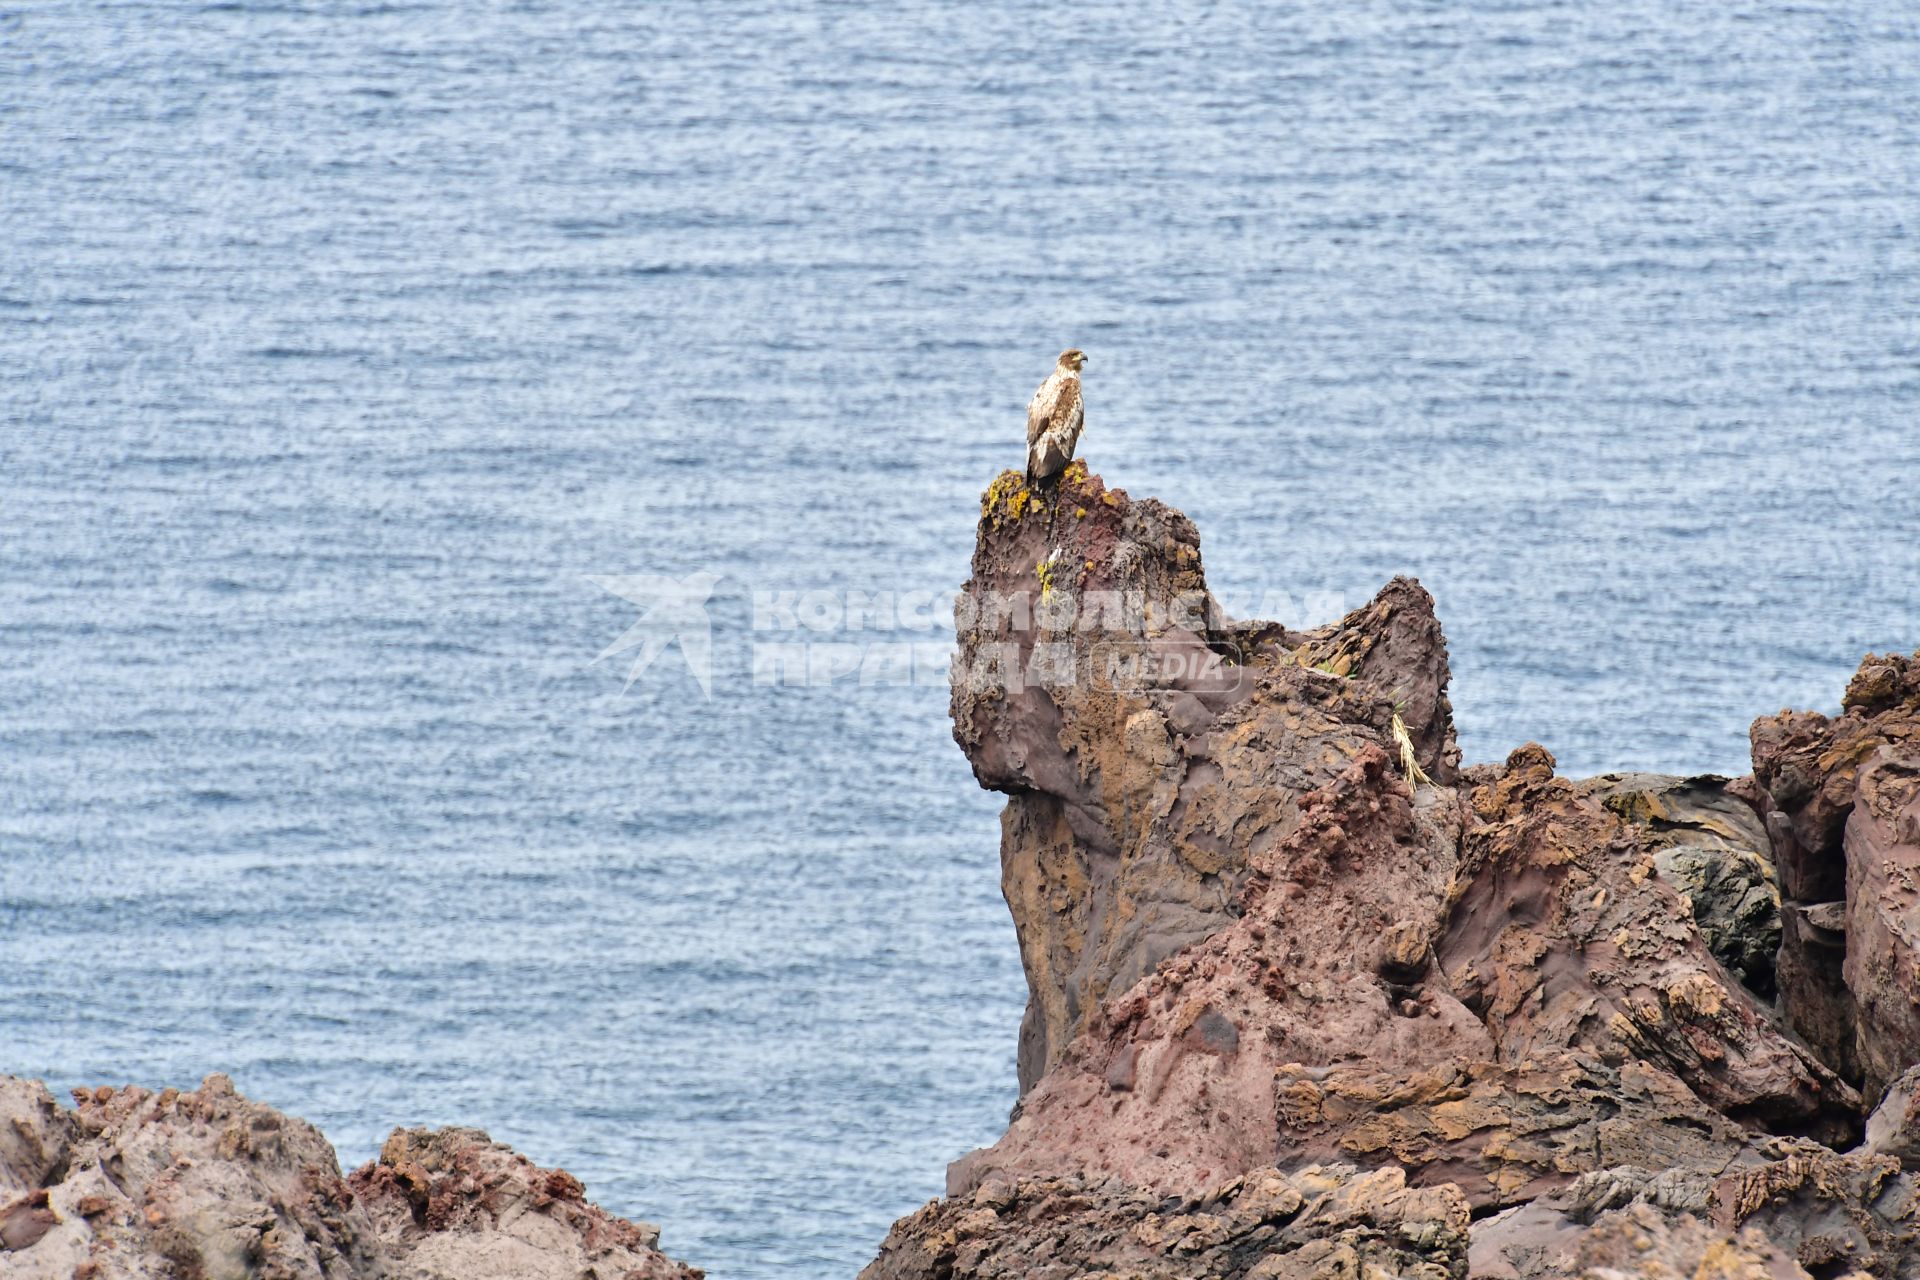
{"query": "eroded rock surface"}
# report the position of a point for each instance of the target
(1103, 690)
(1315, 1223)
(1807, 770)
(1503, 1004)
(1708, 843)
(1808, 1211)
(455, 1205)
(1272, 930)
(1882, 965)
(1894, 1127)
(135, 1184)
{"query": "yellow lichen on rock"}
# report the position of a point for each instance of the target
(1044, 572)
(1007, 498)
(1698, 994)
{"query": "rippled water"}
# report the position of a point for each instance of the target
(340, 344)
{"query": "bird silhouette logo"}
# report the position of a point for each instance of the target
(671, 609)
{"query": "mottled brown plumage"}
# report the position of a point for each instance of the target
(1054, 418)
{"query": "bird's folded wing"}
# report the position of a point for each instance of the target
(1040, 409)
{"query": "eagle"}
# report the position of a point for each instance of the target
(1054, 418)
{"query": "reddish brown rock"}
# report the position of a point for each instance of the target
(1894, 1127)
(459, 1206)
(1834, 1214)
(24, 1221)
(1260, 944)
(1172, 1086)
(1150, 746)
(1803, 1212)
(1806, 770)
(1708, 842)
(204, 1183)
(1805, 766)
(1882, 966)
(1503, 1020)
(136, 1185)
(1812, 987)
(1806, 1211)
(1309, 1225)
(36, 1137)
(1562, 938)
(1505, 1134)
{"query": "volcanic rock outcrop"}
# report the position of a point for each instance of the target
(1708, 842)
(1276, 937)
(206, 1185)
(1838, 795)
(1101, 688)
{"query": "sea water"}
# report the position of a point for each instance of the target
(353, 357)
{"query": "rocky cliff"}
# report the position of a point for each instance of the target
(134, 1184)
(1309, 999)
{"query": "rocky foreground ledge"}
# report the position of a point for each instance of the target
(1308, 999)
(134, 1184)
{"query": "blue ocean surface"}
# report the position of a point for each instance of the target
(344, 346)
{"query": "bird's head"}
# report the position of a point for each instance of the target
(1072, 358)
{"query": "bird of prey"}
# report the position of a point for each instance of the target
(1054, 418)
